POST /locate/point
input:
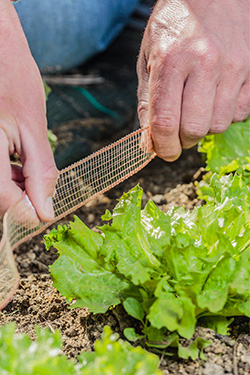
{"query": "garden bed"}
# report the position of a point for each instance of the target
(37, 302)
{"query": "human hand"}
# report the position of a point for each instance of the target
(23, 125)
(193, 71)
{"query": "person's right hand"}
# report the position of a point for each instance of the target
(23, 124)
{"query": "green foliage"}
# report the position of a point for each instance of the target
(194, 349)
(112, 357)
(51, 136)
(168, 270)
(20, 356)
(52, 140)
(216, 191)
(47, 89)
(219, 324)
(229, 151)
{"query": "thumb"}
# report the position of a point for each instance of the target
(40, 172)
(143, 105)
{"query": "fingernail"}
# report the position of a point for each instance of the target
(31, 218)
(49, 211)
(28, 203)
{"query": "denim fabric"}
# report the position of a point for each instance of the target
(65, 33)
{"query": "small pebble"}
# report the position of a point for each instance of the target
(246, 357)
(158, 199)
(218, 348)
(91, 218)
(212, 369)
(228, 367)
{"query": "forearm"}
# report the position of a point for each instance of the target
(10, 31)
(5, 8)
(8, 17)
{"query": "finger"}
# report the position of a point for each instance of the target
(39, 171)
(9, 191)
(197, 109)
(165, 94)
(143, 105)
(225, 103)
(242, 109)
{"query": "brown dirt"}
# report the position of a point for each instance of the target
(37, 302)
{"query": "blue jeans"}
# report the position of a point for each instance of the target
(65, 33)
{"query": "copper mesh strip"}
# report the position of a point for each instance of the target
(76, 185)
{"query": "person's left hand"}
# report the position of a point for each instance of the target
(193, 71)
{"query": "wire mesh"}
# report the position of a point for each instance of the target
(76, 185)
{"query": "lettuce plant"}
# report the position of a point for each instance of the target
(21, 356)
(229, 151)
(168, 270)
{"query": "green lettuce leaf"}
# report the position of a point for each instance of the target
(194, 349)
(219, 324)
(219, 187)
(19, 355)
(229, 151)
(87, 278)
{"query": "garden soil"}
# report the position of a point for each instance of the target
(37, 302)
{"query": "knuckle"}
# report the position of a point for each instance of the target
(240, 116)
(209, 55)
(218, 128)
(193, 131)
(242, 110)
(50, 175)
(142, 107)
(236, 66)
(239, 61)
(166, 123)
